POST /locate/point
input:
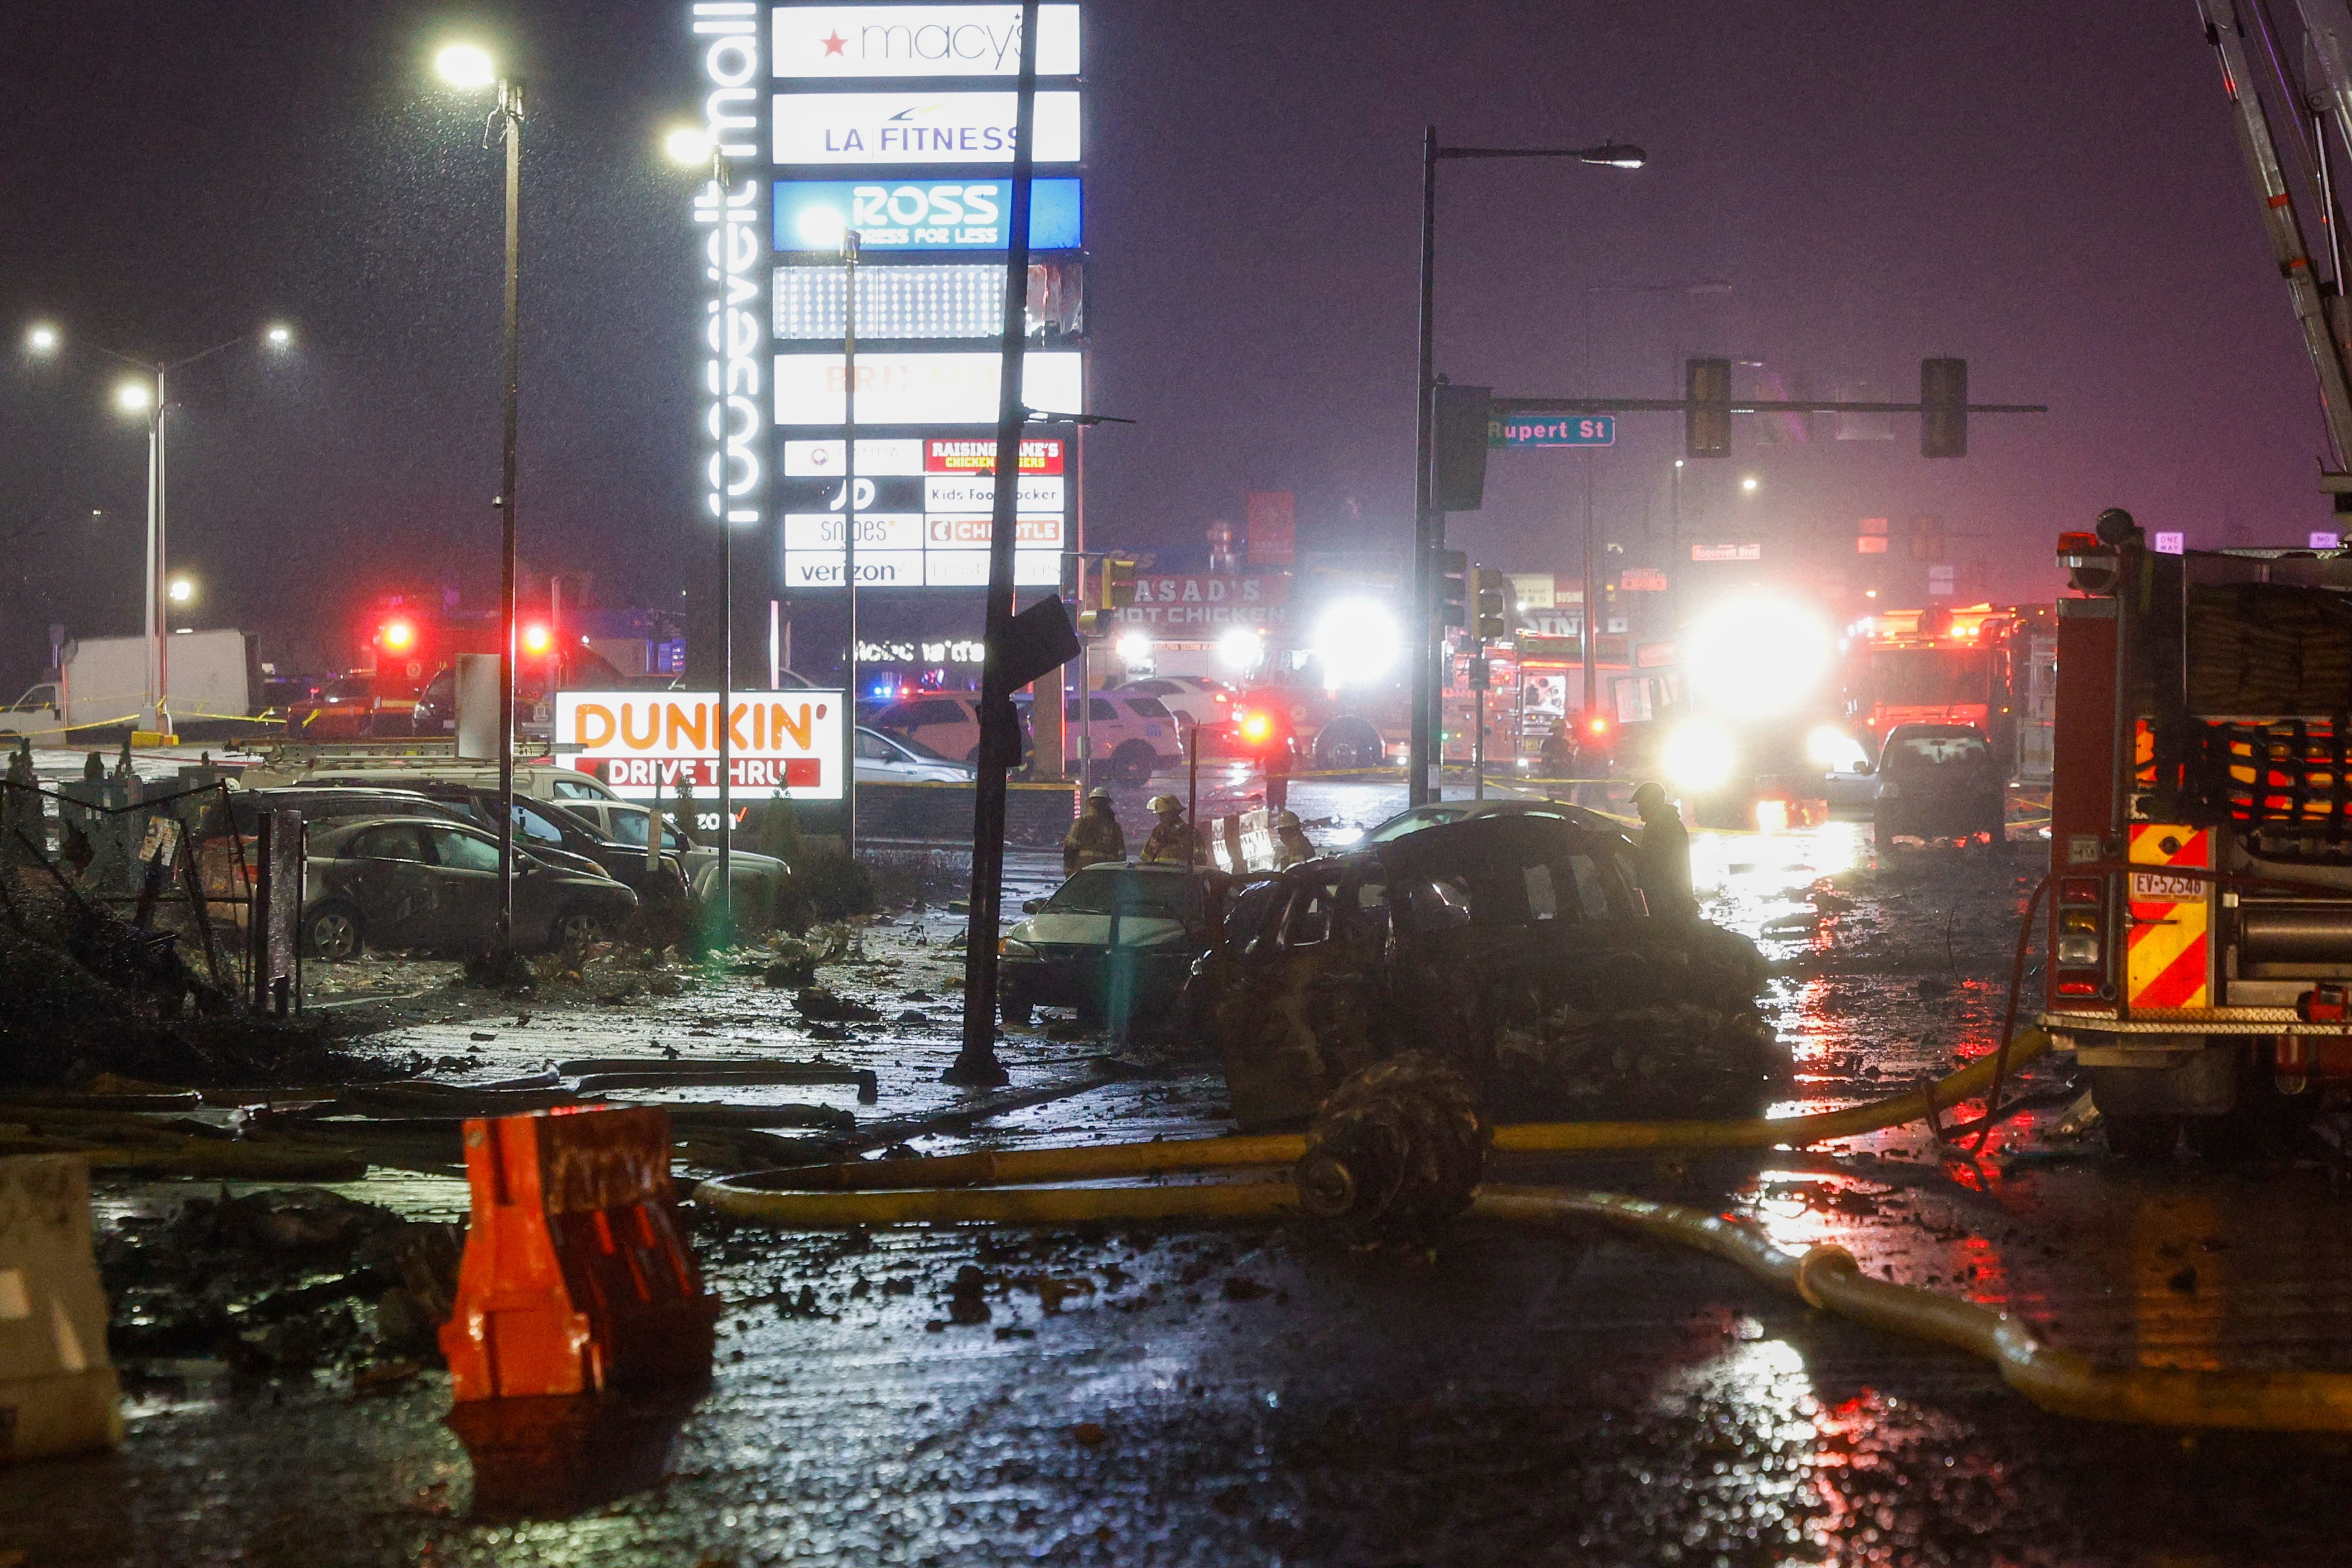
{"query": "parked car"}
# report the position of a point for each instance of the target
(405, 882)
(320, 807)
(1131, 736)
(1115, 942)
(758, 878)
(1514, 945)
(1412, 820)
(1938, 781)
(348, 707)
(558, 835)
(947, 723)
(1195, 700)
(541, 780)
(885, 758)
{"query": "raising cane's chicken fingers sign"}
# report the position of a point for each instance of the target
(642, 743)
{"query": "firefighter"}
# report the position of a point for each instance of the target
(1172, 842)
(1094, 836)
(1664, 855)
(1290, 841)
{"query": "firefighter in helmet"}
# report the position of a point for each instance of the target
(1094, 836)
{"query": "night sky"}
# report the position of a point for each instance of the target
(2052, 191)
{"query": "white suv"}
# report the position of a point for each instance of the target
(1197, 702)
(1131, 735)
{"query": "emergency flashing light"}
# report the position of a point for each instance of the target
(1256, 727)
(537, 639)
(397, 636)
(1597, 724)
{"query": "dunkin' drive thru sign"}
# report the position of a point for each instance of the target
(641, 743)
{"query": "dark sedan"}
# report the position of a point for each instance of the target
(409, 882)
(553, 833)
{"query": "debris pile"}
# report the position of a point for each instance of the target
(282, 1281)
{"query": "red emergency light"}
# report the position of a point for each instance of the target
(397, 636)
(537, 639)
(1598, 726)
(1257, 726)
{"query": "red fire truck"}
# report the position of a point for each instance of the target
(2199, 924)
(1990, 666)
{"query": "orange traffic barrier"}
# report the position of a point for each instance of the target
(575, 1277)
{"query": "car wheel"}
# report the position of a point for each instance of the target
(1012, 1004)
(1353, 745)
(576, 928)
(332, 933)
(1133, 761)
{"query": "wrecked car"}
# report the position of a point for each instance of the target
(1938, 781)
(405, 882)
(1515, 945)
(1115, 942)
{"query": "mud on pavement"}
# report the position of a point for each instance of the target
(1222, 1393)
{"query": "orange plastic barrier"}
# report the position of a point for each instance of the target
(575, 1277)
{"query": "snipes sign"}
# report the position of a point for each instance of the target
(643, 744)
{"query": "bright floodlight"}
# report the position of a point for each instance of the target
(181, 591)
(1357, 641)
(1134, 647)
(1749, 484)
(42, 339)
(1830, 747)
(278, 336)
(134, 397)
(1241, 649)
(1759, 655)
(687, 145)
(1698, 758)
(820, 228)
(466, 66)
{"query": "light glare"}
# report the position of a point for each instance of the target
(687, 145)
(1759, 655)
(1698, 758)
(279, 336)
(1241, 649)
(181, 591)
(1357, 641)
(466, 66)
(42, 339)
(134, 397)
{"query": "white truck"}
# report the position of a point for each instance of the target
(209, 679)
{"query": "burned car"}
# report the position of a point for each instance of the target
(411, 882)
(1115, 942)
(1938, 781)
(1516, 946)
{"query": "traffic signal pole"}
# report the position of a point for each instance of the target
(1428, 527)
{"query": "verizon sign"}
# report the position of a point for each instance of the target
(840, 41)
(643, 744)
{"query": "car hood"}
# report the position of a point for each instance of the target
(1052, 928)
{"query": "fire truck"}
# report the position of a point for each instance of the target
(1993, 666)
(2201, 879)
(2199, 924)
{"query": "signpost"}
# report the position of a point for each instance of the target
(1518, 430)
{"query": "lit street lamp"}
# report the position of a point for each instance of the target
(182, 590)
(470, 68)
(149, 398)
(1428, 523)
(41, 338)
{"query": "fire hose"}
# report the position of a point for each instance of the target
(1402, 1142)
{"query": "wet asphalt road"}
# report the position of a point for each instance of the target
(1195, 1394)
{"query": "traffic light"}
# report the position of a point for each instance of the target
(1706, 411)
(1112, 589)
(1459, 482)
(1493, 606)
(1452, 588)
(1943, 408)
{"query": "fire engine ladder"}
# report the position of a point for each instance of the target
(2319, 305)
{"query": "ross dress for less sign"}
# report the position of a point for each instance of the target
(642, 743)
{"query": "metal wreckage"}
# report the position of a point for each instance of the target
(1519, 949)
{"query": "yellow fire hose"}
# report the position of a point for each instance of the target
(959, 1188)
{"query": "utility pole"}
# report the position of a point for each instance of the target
(1000, 728)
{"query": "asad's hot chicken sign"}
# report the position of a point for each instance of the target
(642, 743)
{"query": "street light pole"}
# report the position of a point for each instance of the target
(466, 66)
(509, 116)
(1429, 523)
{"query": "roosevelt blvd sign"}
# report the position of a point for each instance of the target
(1552, 430)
